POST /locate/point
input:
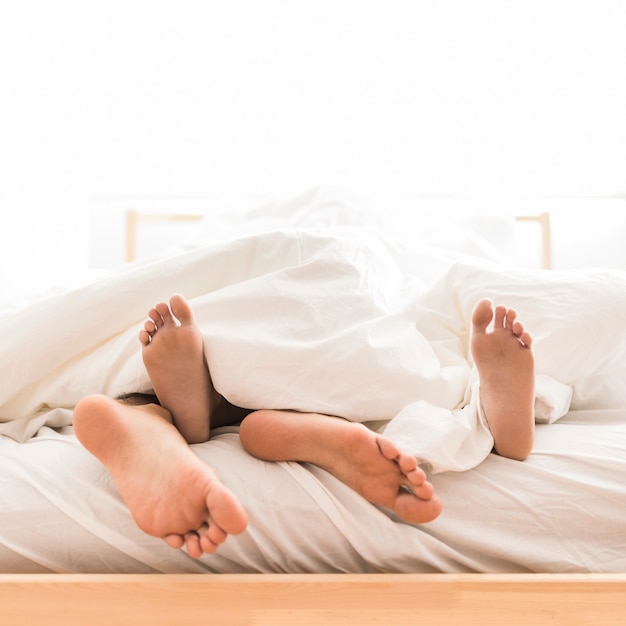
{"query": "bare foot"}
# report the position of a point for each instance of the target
(506, 367)
(370, 464)
(170, 493)
(173, 354)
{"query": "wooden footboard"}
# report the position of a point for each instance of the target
(311, 599)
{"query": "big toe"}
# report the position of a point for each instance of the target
(482, 315)
(181, 309)
(417, 511)
(227, 512)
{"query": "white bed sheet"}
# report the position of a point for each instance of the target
(562, 510)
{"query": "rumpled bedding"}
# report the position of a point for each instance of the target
(339, 321)
(323, 321)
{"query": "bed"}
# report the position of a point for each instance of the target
(541, 541)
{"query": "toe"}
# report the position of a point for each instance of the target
(511, 317)
(500, 316)
(407, 462)
(482, 315)
(192, 543)
(526, 338)
(424, 491)
(208, 546)
(416, 476)
(181, 309)
(164, 312)
(388, 448)
(416, 510)
(216, 534)
(174, 541)
(156, 317)
(144, 337)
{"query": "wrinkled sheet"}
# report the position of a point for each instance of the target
(338, 322)
(563, 510)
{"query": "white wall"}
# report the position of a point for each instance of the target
(515, 99)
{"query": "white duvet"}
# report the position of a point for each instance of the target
(334, 321)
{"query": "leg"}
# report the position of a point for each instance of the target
(506, 367)
(169, 491)
(368, 463)
(173, 354)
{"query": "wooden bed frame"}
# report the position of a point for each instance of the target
(313, 599)
(274, 599)
(134, 219)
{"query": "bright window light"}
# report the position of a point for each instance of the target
(149, 98)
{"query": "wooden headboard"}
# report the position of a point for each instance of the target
(543, 221)
(135, 218)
